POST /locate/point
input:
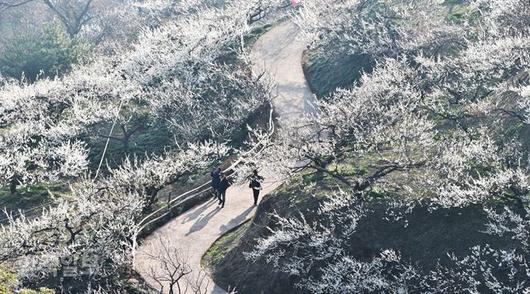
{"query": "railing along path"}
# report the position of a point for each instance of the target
(197, 191)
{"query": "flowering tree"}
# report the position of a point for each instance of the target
(378, 28)
(35, 150)
(99, 222)
(151, 175)
(437, 130)
(96, 226)
(41, 121)
(172, 70)
(191, 73)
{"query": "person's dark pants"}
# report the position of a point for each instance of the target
(256, 195)
(222, 197)
(215, 193)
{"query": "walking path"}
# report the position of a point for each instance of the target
(279, 53)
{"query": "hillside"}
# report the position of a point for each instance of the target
(415, 174)
(423, 238)
(388, 141)
(89, 152)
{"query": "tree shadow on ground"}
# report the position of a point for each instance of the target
(197, 212)
(201, 222)
(236, 221)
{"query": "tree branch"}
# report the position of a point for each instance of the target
(5, 5)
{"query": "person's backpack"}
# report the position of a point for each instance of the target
(254, 183)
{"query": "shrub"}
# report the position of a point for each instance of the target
(8, 281)
(48, 54)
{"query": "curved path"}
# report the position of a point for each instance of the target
(279, 53)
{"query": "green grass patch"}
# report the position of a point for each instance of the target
(152, 140)
(223, 245)
(325, 74)
(457, 10)
(30, 196)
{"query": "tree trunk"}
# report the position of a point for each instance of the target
(127, 134)
(13, 184)
(125, 142)
(152, 196)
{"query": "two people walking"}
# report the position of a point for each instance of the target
(220, 184)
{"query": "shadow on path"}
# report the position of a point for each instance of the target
(197, 212)
(203, 221)
(236, 221)
(278, 52)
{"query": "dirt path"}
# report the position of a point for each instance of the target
(278, 52)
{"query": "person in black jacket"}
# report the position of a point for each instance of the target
(216, 180)
(223, 186)
(255, 184)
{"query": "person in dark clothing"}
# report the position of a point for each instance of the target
(223, 186)
(255, 184)
(216, 180)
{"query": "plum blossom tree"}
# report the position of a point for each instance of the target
(35, 150)
(173, 69)
(191, 73)
(483, 270)
(441, 130)
(98, 224)
(41, 120)
(151, 175)
(195, 74)
(100, 221)
(378, 29)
